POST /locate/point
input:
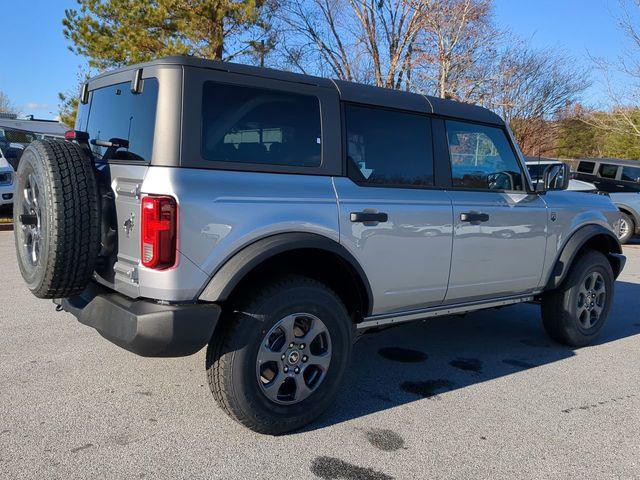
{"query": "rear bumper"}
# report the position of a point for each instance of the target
(142, 326)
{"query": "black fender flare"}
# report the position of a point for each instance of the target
(229, 275)
(572, 247)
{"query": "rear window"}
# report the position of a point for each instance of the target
(261, 126)
(631, 174)
(116, 112)
(607, 171)
(586, 167)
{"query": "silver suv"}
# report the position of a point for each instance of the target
(620, 179)
(275, 216)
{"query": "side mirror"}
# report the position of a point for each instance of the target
(556, 177)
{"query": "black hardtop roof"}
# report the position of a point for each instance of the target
(348, 91)
(612, 161)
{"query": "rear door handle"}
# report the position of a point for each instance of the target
(474, 217)
(366, 217)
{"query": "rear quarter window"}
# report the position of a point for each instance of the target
(243, 124)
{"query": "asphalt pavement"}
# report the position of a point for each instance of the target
(487, 395)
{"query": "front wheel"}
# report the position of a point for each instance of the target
(576, 312)
(279, 358)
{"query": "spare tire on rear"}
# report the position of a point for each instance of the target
(56, 214)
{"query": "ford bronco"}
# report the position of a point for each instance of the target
(272, 217)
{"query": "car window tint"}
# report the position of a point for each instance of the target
(482, 158)
(607, 171)
(83, 114)
(536, 170)
(386, 147)
(116, 112)
(631, 174)
(255, 125)
(586, 167)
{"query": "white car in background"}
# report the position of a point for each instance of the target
(6, 181)
(537, 168)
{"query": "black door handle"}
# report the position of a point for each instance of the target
(474, 217)
(366, 217)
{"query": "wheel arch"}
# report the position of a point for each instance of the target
(306, 253)
(595, 237)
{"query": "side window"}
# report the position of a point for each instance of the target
(255, 125)
(607, 171)
(482, 158)
(386, 147)
(586, 167)
(631, 174)
(115, 112)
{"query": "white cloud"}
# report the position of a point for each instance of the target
(38, 106)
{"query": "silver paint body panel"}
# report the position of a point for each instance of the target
(573, 210)
(407, 258)
(222, 211)
(489, 258)
(421, 258)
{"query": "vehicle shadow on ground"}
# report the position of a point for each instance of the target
(422, 360)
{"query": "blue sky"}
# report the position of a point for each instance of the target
(36, 63)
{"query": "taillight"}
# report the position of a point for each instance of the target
(76, 135)
(159, 231)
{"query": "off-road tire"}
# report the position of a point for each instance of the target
(232, 353)
(559, 307)
(630, 230)
(68, 217)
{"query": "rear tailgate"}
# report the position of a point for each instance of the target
(126, 182)
(120, 123)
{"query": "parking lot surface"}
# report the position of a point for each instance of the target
(481, 396)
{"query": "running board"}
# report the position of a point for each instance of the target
(439, 311)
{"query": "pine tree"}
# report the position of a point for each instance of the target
(111, 33)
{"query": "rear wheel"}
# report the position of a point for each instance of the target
(627, 228)
(278, 359)
(576, 313)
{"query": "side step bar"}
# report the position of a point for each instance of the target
(439, 311)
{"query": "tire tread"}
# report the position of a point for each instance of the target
(557, 321)
(221, 351)
(73, 211)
